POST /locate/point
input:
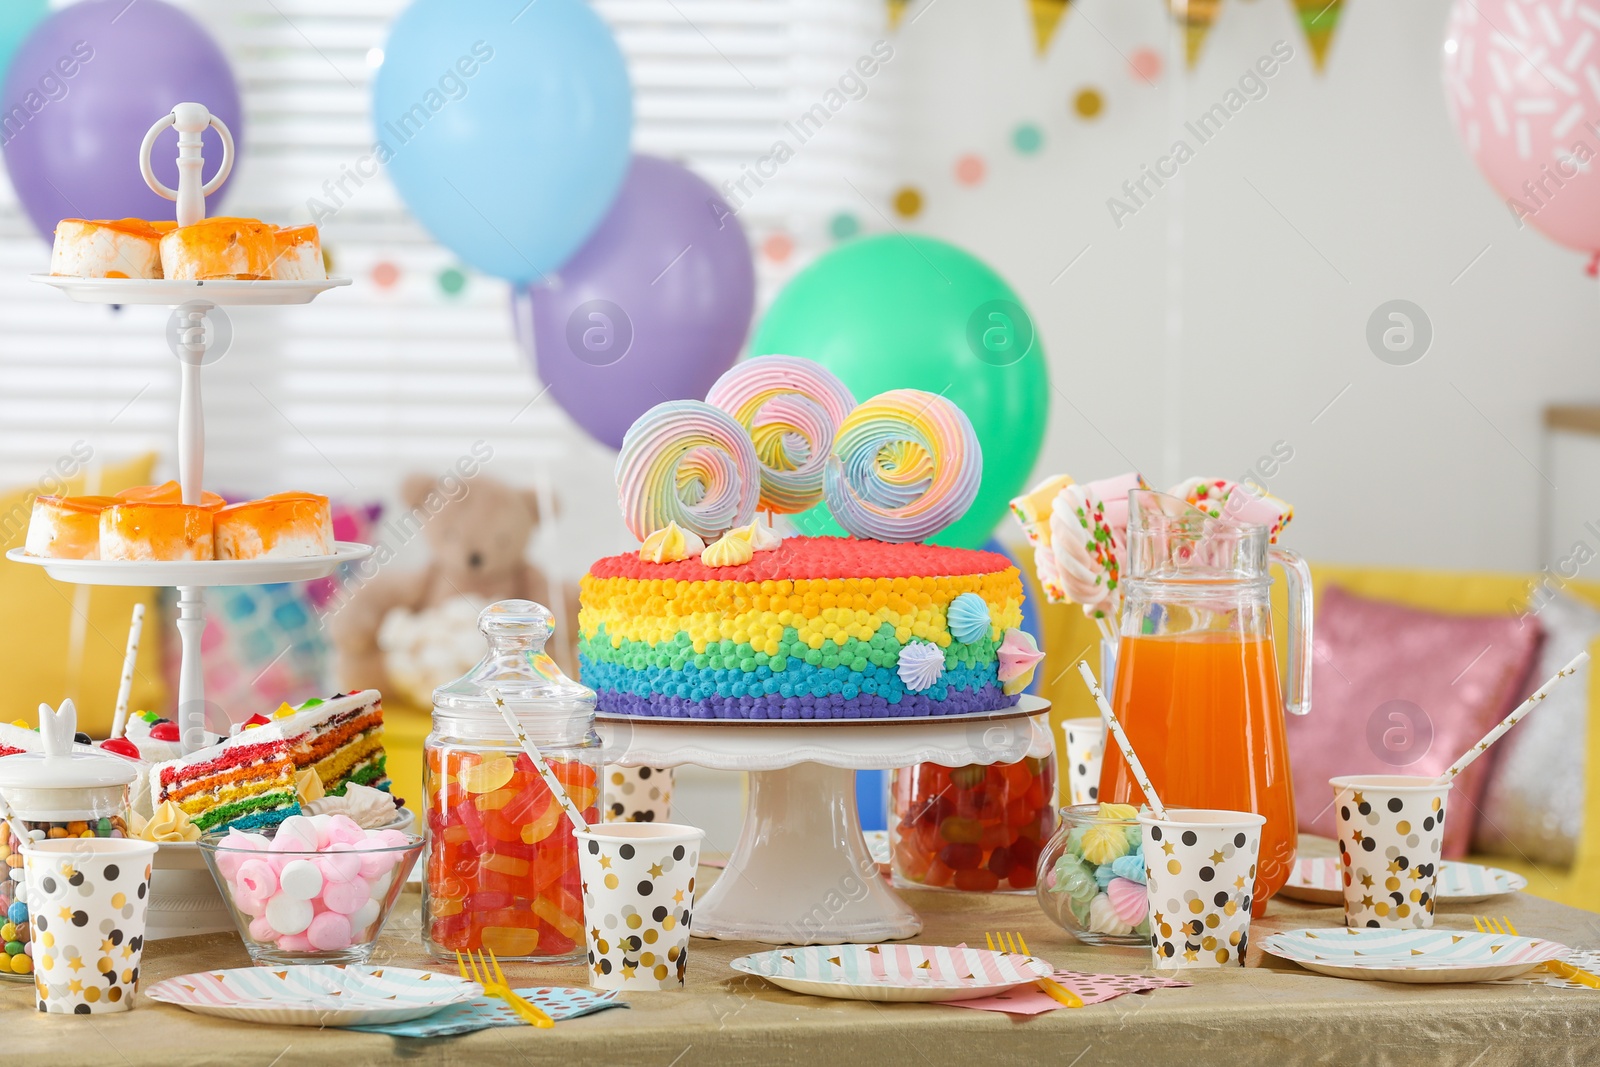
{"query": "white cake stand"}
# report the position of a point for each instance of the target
(801, 873)
(193, 299)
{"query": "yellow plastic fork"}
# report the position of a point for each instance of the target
(497, 988)
(1051, 988)
(1556, 967)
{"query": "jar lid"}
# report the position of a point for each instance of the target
(517, 668)
(61, 765)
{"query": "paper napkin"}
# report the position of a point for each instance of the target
(1092, 988)
(484, 1013)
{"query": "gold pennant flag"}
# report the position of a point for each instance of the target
(1046, 17)
(1319, 18)
(1196, 17)
(897, 11)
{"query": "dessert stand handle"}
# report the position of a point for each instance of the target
(191, 121)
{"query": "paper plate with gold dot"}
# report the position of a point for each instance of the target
(897, 973)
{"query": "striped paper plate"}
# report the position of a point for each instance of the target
(893, 972)
(318, 995)
(1316, 881)
(1413, 955)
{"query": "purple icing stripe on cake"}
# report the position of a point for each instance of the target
(913, 705)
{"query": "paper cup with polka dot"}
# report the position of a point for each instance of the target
(1200, 872)
(1086, 746)
(638, 794)
(638, 902)
(87, 899)
(1391, 830)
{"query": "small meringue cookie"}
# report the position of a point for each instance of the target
(670, 544)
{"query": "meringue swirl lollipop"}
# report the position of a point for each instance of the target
(687, 462)
(792, 409)
(905, 465)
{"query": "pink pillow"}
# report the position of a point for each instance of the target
(1397, 690)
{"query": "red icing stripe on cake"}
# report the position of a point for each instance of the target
(228, 757)
(817, 557)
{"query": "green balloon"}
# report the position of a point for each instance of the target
(898, 312)
(17, 20)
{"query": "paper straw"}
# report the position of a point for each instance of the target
(1511, 720)
(125, 687)
(539, 762)
(1122, 741)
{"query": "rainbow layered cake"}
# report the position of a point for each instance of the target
(341, 738)
(246, 782)
(816, 628)
(249, 780)
(718, 616)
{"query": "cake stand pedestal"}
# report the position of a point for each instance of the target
(801, 873)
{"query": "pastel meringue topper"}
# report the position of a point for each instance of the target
(670, 544)
(967, 618)
(1019, 656)
(730, 550)
(921, 665)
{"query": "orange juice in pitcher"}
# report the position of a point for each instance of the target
(1197, 687)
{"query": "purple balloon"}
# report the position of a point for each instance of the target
(80, 94)
(655, 306)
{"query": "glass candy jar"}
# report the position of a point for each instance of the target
(62, 790)
(977, 828)
(502, 864)
(1091, 875)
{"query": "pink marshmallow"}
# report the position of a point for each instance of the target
(289, 842)
(342, 828)
(257, 879)
(389, 838)
(294, 943)
(329, 931)
(339, 866)
(346, 898)
(252, 904)
(261, 930)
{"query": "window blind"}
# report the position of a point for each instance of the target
(396, 373)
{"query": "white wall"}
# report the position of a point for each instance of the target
(1332, 194)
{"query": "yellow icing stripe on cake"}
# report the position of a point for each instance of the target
(759, 628)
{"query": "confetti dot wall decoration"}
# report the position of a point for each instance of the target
(970, 169)
(778, 247)
(908, 202)
(452, 281)
(844, 226)
(1027, 138)
(385, 275)
(1088, 103)
(1146, 64)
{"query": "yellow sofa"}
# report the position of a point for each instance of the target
(1068, 636)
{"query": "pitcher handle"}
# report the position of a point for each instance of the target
(1297, 689)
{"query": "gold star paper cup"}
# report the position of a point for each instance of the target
(638, 902)
(638, 794)
(1200, 874)
(1086, 747)
(86, 900)
(1391, 830)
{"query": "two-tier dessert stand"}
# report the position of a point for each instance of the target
(801, 873)
(192, 301)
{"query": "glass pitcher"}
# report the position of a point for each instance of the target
(1197, 686)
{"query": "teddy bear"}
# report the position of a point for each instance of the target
(403, 632)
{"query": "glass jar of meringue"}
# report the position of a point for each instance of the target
(1091, 877)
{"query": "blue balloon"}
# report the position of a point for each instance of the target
(1031, 622)
(505, 125)
(17, 20)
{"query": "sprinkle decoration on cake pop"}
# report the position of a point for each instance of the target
(905, 465)
(687, 462)
(792, 409)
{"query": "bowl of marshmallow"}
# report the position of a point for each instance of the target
(313, 889)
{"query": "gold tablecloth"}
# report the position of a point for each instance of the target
(1270, 1012)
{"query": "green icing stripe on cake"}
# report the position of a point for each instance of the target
(677, 654)
(220, 814)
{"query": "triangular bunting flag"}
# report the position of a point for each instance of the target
(897, 11)
(1046, 17)
(1319, 18)
(1196, 17)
